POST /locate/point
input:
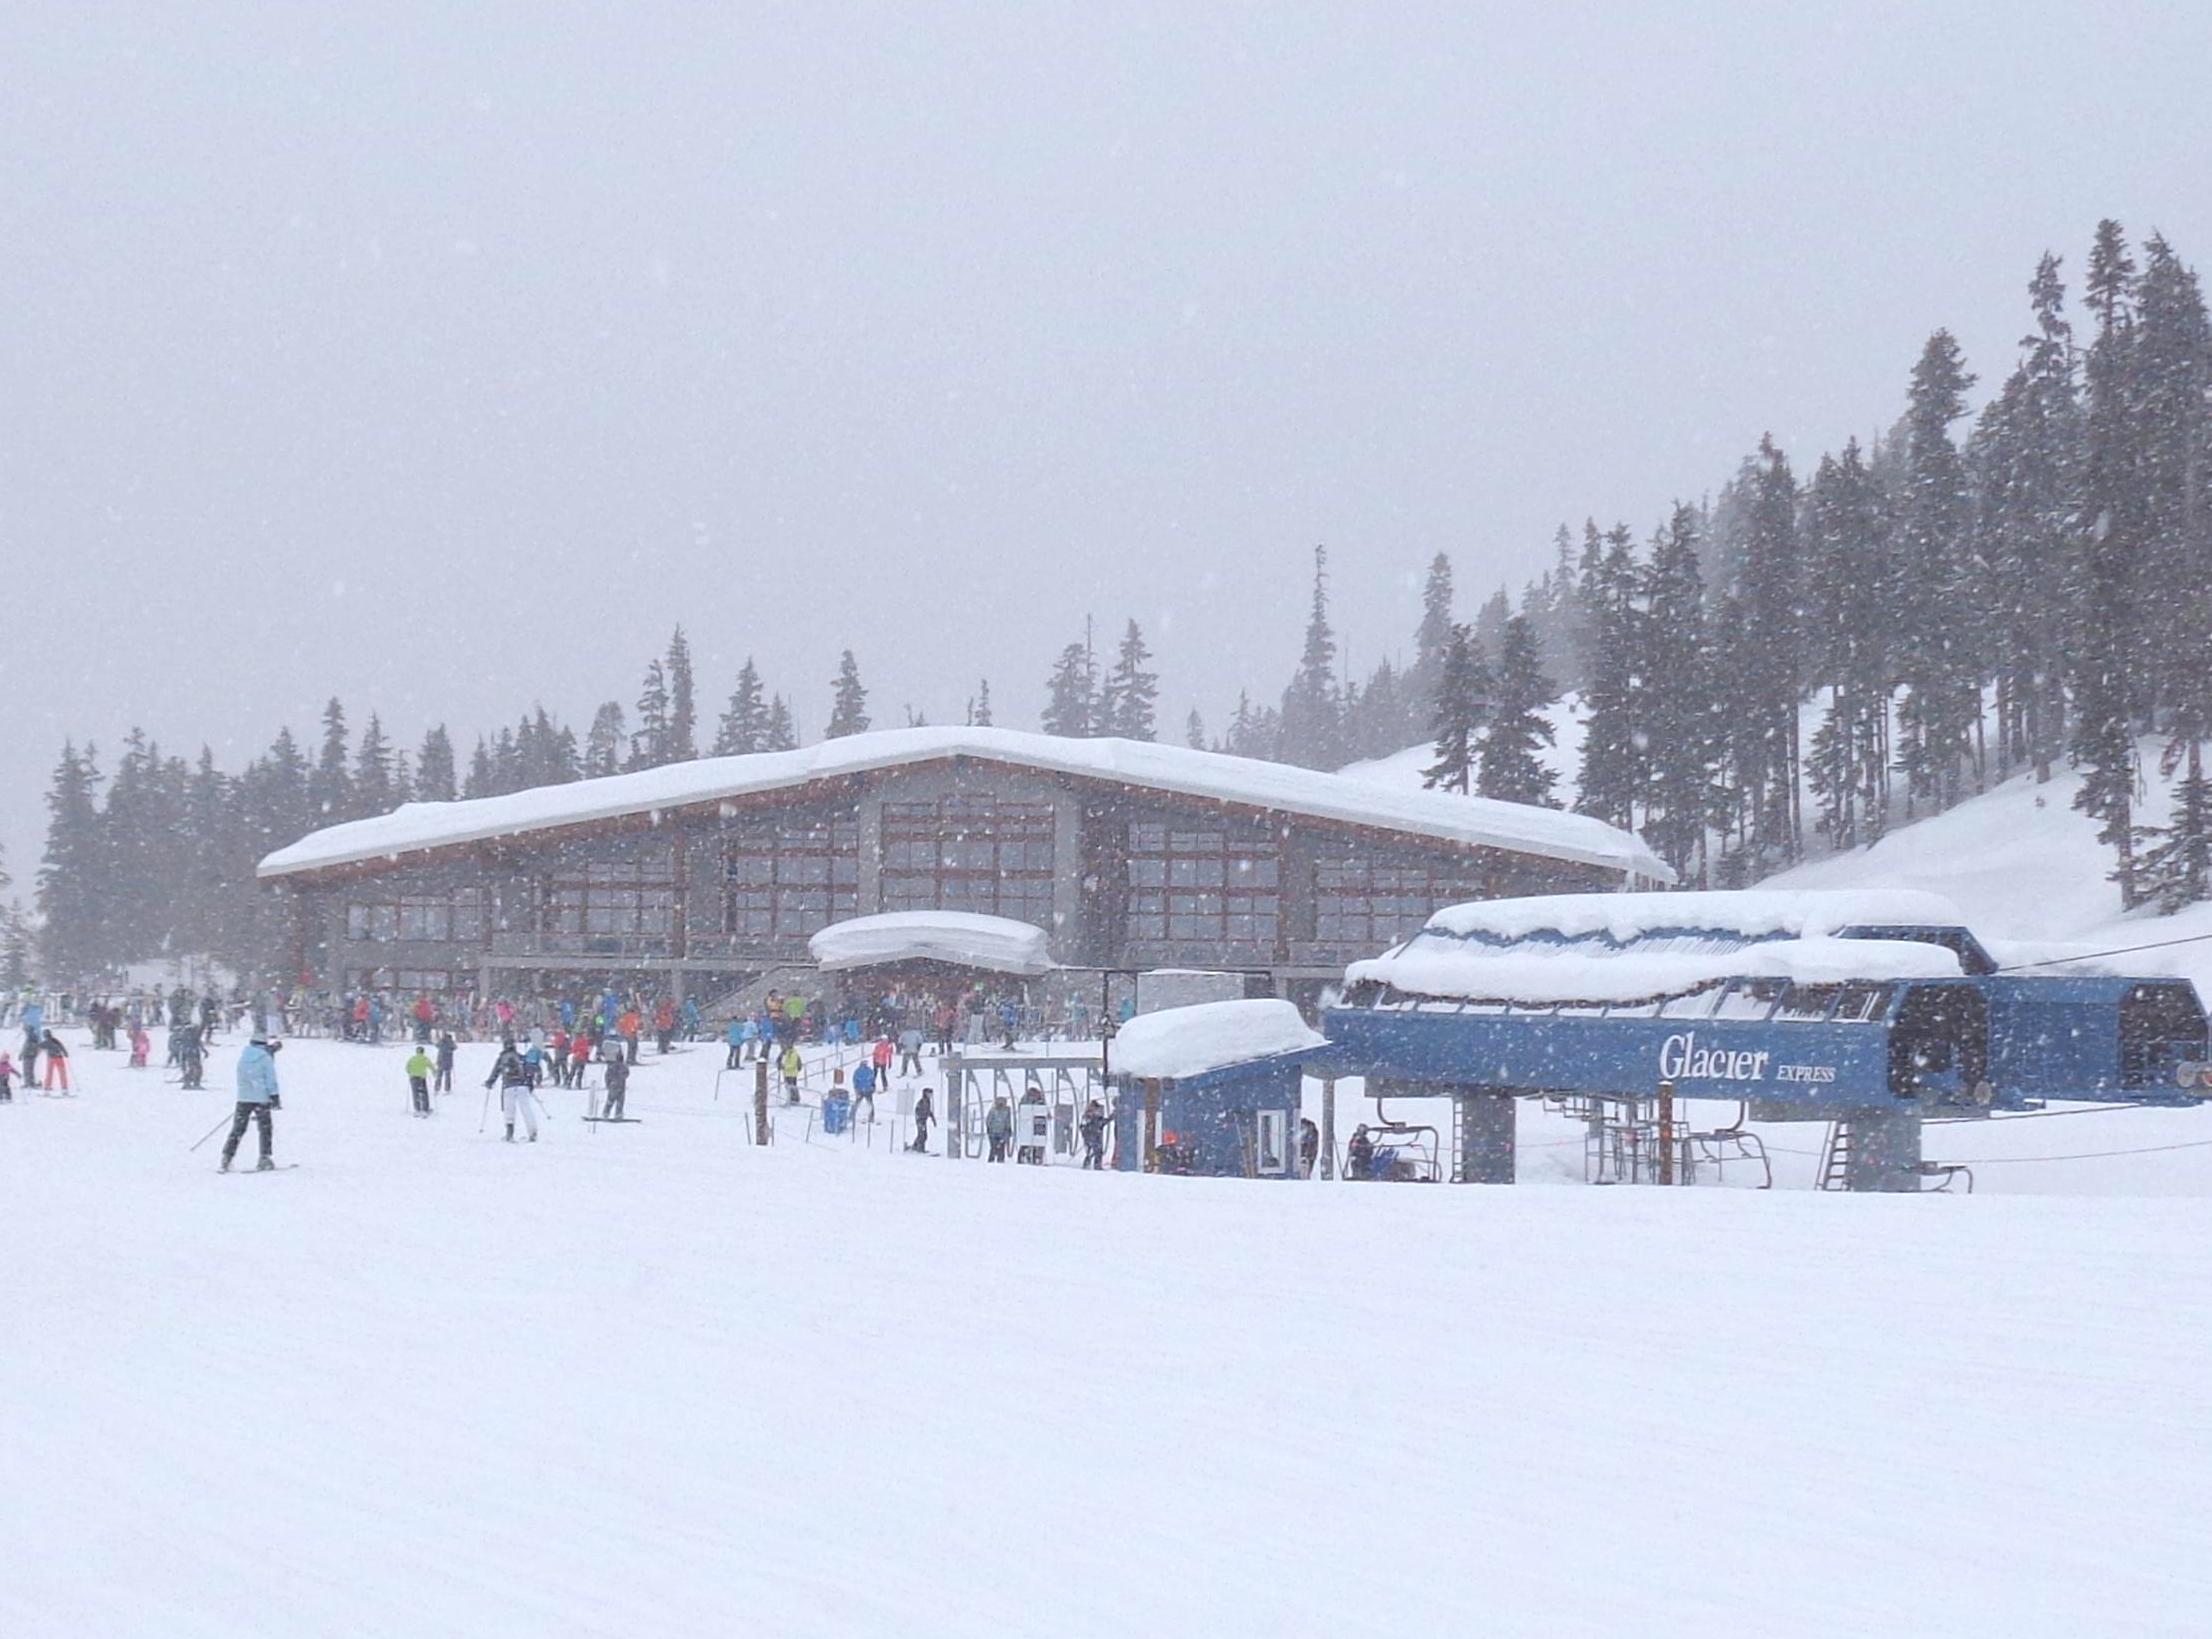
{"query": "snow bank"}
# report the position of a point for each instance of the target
(1547, 972)
(996, 943)
(1274, 787)
(1189, 1041)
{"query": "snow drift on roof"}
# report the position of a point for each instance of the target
(1752, 913)
(998, 944)
(1188, 1041)
(1624, 947)
(1545, 972)
(1277, 787)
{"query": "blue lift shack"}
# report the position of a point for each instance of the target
(1869, 1011)
(1213, 1089)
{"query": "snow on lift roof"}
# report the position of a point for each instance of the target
(1629, 947)
(1445, 816)
(998, 944)
(1178, 1042)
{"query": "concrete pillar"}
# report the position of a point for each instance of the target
(1328, 1126)
(1885, 1152)
(1487, 1125)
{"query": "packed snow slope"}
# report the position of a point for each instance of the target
(648, 1380)
(2029, 874)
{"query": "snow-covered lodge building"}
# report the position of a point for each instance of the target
(698, 876)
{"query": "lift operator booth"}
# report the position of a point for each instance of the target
(1867, 1010)
(1212, 1089)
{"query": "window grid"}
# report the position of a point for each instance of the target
(969, 853)
(1370, 904)
(617, 898)
(786, 878)
(1190, 886)
(430, 919)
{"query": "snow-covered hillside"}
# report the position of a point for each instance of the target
(2028, 871)
(652, 1381)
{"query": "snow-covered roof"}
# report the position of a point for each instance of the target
(1276, 787)
(1579, 972)
(1750, 913)
(1189, 1041)
(998, 944)
(1626, 947)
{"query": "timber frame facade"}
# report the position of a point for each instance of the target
(703, 897)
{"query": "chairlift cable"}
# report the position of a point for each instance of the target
(2100, 955)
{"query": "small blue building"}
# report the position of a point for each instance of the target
(1212, 1090)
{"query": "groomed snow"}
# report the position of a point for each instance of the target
(997, 944)
(654, 1383)
(1275, 787)
(1188, 1041)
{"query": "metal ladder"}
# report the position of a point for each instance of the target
(1835, 1157)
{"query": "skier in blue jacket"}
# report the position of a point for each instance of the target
(257, 1096)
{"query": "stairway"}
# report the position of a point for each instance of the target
(747, 998)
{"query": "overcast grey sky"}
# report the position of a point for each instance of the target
(445, 357)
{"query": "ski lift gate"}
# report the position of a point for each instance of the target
(973, 1081)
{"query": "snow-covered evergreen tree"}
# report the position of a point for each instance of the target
(434, 771)
(1431, 638)
(1132, 693)
(1935, 614)
(330, 788)
(744, 725)
(848, 700)
(783, 730)
(1463, 690)
(1071, 695)
(2107, 687)
(1849, 588)
(1680, 715)
(376, 787)
(1615, 744)
(1513, 768)
(72, 880)
(683, 702)
(650, 744)
(603, 742)
(1312, 714)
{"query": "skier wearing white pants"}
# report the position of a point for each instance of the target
(513, 1078)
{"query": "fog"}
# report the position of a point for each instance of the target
(446, 362)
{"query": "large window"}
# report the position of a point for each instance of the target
(1367, 904)
(969, 853)
(786, 878)
(433, 919)
(1202, 887)
(630, 899)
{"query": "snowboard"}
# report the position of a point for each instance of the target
(614, 1120)
(248, 1172)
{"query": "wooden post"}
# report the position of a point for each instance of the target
(1666, 1132)
(763, 1133)
(1328, 1126)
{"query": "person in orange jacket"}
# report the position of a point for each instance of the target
(629, 1031)
(664, 1024)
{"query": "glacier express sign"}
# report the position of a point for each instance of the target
(1681, 1059)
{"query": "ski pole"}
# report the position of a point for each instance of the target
(487, 1115)
(210, 1133)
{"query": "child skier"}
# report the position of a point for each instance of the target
(57, 1063)
(419, 1068)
